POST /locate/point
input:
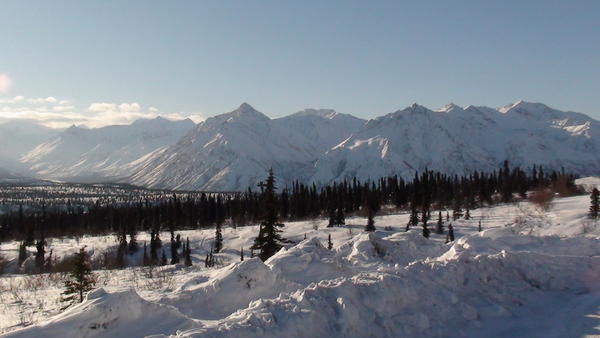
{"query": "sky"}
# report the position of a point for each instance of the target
(107, 62)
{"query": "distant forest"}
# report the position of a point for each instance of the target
(428, 190)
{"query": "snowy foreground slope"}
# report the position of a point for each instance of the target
(528, 273)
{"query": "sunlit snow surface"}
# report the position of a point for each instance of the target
(528, 274)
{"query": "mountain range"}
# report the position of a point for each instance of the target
(232, 151)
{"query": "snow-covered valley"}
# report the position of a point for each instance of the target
(529, 272)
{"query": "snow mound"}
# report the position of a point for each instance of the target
(424, 299)
(308, 261)
(229, 289)
(118, 314)
(494, 241)
(588, 183)
(400, 248)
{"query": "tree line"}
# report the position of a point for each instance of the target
(425, 191)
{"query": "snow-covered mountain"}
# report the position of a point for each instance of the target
(80, 154)
(231, 151)
(17, 137)
(457, 140)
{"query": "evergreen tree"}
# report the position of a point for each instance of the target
(145, 260)
(133, 244)
(340, 218)
(48, 263)
(594, 204)
(187, 254)
(154, 245)
(121, 249)
(439, 227)
(457, 211)
(175, 244)
(22, 253)
(218, 238)
(329, 242)
(413, 220)
(370, 220)
(332, 218)
(81, 279)
(424, 217)
(40, 259)
(268, 241)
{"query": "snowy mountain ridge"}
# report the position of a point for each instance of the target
(231, 151)
(82, 154)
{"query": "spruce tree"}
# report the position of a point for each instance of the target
(268, 241)
(133, 244)
(594, 204)
(370, 227)
(187, 254)
(48, 263)
(40, 253)
(120, 261)
(424, 217)
(439, 227)
(413, 220)
(332, 218)
(22, 253)
(81, 279)
(340, 219)
(175, 244)
(218, 238)
(145, 260)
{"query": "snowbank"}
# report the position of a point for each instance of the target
(118, 314)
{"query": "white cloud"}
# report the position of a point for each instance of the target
(38, 100)
(57, 113)
(12, 100)
(102, 107)
(5, 83)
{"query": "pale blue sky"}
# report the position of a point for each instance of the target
(362, 57)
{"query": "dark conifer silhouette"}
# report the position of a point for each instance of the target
(594, 204)
(439, 227)
(268, 241)
(81, 279)
(218, 238)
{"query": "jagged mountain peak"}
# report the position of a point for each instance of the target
(450, 107)
(525, 107)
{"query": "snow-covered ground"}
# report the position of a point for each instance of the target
(528, 273)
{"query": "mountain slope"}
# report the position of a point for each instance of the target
(17, 137)
(457, 140)
(232, 151)
(96, 154)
